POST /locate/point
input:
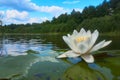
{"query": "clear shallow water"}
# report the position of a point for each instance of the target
(40, 62)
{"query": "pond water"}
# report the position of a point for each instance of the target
(33, 57)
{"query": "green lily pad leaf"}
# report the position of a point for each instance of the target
(15, 66)
(32, 52)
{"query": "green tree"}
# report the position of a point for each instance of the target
(62, 18)
(89, 12)
(103, 9)
(114, 3)
(76, 16)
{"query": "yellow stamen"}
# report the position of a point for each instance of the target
(79, 39)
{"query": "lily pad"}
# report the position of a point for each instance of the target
(15, 66)
(32, 52)
(81, 71)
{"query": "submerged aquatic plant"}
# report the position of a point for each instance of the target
(82, 44)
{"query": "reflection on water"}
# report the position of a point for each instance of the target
(106, 72)
(44, 65)
(20, 44)
(15, 45)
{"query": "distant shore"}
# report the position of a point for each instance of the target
(103, 34)
(31, 33)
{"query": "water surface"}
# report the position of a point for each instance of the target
(37, 59)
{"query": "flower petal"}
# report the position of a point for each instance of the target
(68, 54)
(90, 41)
(100, 45)
(94, 37)
(62, 56)
(88, 58)
(88, 33)
(82, 32)
(75, 33)
(68, 35)
(70, 43)
(82, 47)
(106, 43)
(71, 54)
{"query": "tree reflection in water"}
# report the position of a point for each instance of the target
(2, 46)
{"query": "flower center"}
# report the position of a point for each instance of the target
(79, 39)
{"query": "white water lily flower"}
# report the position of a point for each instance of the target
(82, 44)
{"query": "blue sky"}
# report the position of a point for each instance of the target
(37, 11)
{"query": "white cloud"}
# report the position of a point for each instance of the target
(27, 5)
(14, 14)
(54, 10)
(51, 9)
(21, 5)
(1, 12)
(44, 19)
(36, 20)
(19, 11)
(1, 15)
(78, 9)
(20, 17)
(71, 2)
(33, 20)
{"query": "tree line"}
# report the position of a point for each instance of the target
(104, 17)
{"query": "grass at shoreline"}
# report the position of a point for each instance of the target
(30, 33)
(103, 34)
(110, 34)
